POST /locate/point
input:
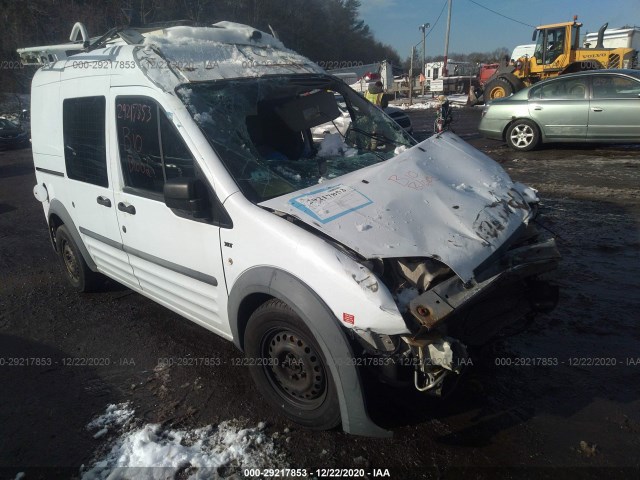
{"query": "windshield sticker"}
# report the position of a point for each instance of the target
(327, 204)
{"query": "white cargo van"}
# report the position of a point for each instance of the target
(179, 161)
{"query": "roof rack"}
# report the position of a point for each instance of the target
(51, 53)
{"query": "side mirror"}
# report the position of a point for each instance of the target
(187, 195)
(535, 35)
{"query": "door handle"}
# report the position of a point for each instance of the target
(596, 109)
(104, 201)
(537, 107)
(127, 208)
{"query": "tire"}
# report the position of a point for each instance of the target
(523, 135)
(76, 270)
(285, 354)
(497, 88)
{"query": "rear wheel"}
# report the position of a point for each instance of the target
(76, 270)
(523, 135)
(497, 88)
(289, 368)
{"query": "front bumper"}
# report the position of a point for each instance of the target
(514, 274)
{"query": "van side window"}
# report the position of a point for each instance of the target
(151, 150)
(178, 161)
(83, 125)
(139, 143)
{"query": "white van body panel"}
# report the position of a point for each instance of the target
(354, 294)
(46, 128)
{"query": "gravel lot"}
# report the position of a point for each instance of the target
(579, 418)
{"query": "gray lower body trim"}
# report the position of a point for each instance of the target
(101, 238)
(50, 172)
(202, 277)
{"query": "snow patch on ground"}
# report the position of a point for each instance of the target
(114, 418)
(155, 452)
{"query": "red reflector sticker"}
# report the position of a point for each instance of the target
(348, 318)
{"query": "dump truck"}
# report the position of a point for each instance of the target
(557, 52)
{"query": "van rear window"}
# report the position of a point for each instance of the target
(83, 121)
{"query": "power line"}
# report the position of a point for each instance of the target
(436, 22)
(498, 13)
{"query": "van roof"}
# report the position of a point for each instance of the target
(178, 54)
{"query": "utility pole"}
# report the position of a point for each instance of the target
(446, 42)
(424, 27)
(411, 76)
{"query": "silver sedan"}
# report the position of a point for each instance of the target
(600, 106)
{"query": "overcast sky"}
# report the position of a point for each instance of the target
(474, 29)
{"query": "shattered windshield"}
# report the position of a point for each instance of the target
(281, 134)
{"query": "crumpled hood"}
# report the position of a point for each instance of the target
(441, 199)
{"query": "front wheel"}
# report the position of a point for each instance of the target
(289, 368)
(523, 135)
(497, 88)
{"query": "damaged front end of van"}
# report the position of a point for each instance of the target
(453, 240)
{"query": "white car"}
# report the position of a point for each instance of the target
(180, 163)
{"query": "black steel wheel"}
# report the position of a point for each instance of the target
(76, 270)
(289, 368)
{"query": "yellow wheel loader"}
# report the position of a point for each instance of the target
(557, 52)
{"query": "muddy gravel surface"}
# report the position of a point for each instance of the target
(559, 400)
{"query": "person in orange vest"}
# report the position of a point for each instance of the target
(374, 93)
